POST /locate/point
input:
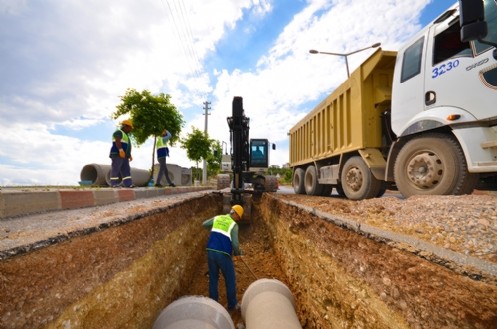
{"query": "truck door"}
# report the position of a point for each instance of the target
(453, 73)
(408, 85)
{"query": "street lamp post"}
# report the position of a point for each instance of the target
(313, 51)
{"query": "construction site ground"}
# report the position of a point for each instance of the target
(464, 225)
(342, 272)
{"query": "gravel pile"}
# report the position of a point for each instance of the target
(466, 224)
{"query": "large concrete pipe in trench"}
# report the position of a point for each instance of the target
(269, 304)
(99, 175)
(194, 312)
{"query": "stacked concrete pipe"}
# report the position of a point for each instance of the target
(194, 312)
(99, 175)
(269, 304)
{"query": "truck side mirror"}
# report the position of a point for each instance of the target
(472, 20)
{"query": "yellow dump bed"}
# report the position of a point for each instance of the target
(349, 118)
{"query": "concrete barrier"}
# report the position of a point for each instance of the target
(178, 175)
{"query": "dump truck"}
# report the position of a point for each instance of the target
(422, 120)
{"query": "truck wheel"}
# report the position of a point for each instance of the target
(312, 187)
(298, 181)
(432, 165)
(357, 180)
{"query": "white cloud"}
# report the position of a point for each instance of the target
(65, 64)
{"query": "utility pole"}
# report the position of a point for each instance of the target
(206, 113)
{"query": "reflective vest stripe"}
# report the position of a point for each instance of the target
(228, 233)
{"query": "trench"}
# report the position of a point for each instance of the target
(124, 273)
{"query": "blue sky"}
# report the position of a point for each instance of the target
(64, 65)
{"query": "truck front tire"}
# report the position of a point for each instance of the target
(432, 165)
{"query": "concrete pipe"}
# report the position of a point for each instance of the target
(95, 174)
(99, 175)
(269, 304)
(194, 312)
(140, 177)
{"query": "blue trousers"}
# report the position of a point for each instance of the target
(163, 171)
(219, 261)
(120, 166)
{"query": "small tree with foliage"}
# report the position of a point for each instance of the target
(198, 146)
(151, 114)
(215, 159)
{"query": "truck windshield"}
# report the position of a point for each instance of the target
(491, 18)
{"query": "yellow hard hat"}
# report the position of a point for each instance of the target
(238, 209)
(127, 122)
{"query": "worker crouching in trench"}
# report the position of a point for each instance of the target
(221, 246)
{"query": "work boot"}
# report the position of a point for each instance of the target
(234, 309)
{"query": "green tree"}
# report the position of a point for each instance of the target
(198, 146)
(285, 174)
(151, 114)
(214, 159)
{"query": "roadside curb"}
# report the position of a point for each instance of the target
(20, 202)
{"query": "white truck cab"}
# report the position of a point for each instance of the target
(444, 107)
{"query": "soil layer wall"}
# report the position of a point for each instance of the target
(120, 276)
(342, 279)
(118, 266)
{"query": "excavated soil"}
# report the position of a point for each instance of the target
(114, 266)
(340, 277)
(258, 261)
(344, 279)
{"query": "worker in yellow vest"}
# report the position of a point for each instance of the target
(162, 153)
(221, 246)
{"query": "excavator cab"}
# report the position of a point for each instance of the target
(259, 153)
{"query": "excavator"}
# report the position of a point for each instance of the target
(249, 160)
